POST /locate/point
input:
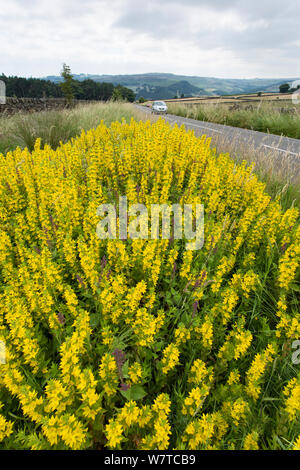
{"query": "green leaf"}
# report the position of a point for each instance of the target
(125, 369)
(94, 320)
(136, 392)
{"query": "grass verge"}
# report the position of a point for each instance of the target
(54, 127)
(264, 117)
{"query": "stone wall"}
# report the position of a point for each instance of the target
(27, 105)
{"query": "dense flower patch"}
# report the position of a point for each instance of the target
(141, 344)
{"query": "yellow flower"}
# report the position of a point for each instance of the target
(135, 372)
(250, 441)
(195, 400)
(5, 428)
(200, 431)
(292, 402)
(297, 444)
(200, 373)
(170, 358)
(109, 374)
(113, 432)
(256, 371)
(234, 377)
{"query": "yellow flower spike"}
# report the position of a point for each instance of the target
(250, 441)
(6, 428)
(114, 435)
(292, 400)
(195, 399)
(256, 371)
(297, 444)
(109, 374)
(170, 358)
(200, 373)
(135, 372)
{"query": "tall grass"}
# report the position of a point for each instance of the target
(265, 117)
(54, 127)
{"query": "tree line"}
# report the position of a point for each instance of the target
(20, 87)
(285, 88)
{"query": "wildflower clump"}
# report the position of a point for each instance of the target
(127, 342)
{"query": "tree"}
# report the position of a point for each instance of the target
(141, 99)
(106, 91)
(77, 90)
(182, 95)
(117, 95)
(122, 93)
(126, 93)
(67, 84)
(284, 88)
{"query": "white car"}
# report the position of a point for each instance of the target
(159, 107)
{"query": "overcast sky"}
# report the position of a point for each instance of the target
(221, 38)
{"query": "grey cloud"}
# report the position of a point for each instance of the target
(153, 21)
(266, 32)
(262, 9)
(270, 25)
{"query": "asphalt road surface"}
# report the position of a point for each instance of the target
(279, 147)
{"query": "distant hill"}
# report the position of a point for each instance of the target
(167, 85)
(182, 87)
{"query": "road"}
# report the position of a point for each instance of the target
(280, 148)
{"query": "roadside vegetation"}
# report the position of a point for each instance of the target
(142, 343)
(53, 127)
(264, 117)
